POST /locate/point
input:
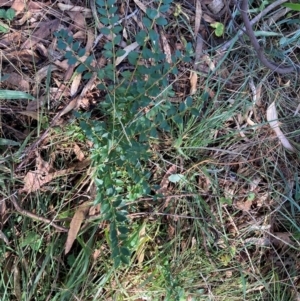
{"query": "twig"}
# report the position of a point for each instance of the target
(34, 216)
(259, 50)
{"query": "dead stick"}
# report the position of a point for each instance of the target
(259, 50)
(34, 216)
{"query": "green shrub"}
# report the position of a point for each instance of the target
(135, 109)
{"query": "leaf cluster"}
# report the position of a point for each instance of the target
(136, 110)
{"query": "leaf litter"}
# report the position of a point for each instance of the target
(23, 49)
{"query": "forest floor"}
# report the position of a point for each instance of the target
(185, 186)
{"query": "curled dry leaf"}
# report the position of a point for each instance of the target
(193, 82)
(272, 118)
(75, 225)
(166, 47)
(78, 152)
(198, 16)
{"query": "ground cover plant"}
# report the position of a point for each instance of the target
(149, 150)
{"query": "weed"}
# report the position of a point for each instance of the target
(136, 108)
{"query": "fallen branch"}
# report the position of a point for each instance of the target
(34, 216)
(259, 50)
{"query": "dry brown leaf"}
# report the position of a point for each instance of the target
(208, 19)
(127, 50)
(72, 104)
(140, 5)
(73, 8)
(165, 180)
(11, 37)
(216, 6)
(33, 114)
(281, 239)
(17, 281)
(78, 152)
(75, 224)
(78, 19)
(6, 3)
(75, 84)
(166, 47)
(16, 80)
(141, 250)
(244, 205)
(193, 82)
(272, 118)
(44, 30)
(26, 16)
(18, 6)
(198, 16)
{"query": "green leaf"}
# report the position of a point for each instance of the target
(117, 39)
(153, 35)
(133, 57)
(69, 54)
(175, 178)
(108, 54)
(219, 28)
(117, 262)
(125, 259)
(164, 8)
(141, 37)
(61, 45)
(161, 21)
(102, 11)
(75, 46)
(87, 75)
(81, 52)
(120, 217)
(69, 40)
(8, 142)
(2, 13)
(181, 107)
(293, 6)
(4, 28)
(10, 14)
(147, 22)
(125, 251)
(108, 46)
(165, 126)
(111, 2)
(120, 52)
(81, 68)
(189, 101)
(117, 29)
(100, 2)
(113, 232)
(105, 21)
(195, 112)
(123, 229)
(112, 10)
(117, 203)
(105, 31)
(11, 94)
(151, 13)
(72, 61)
